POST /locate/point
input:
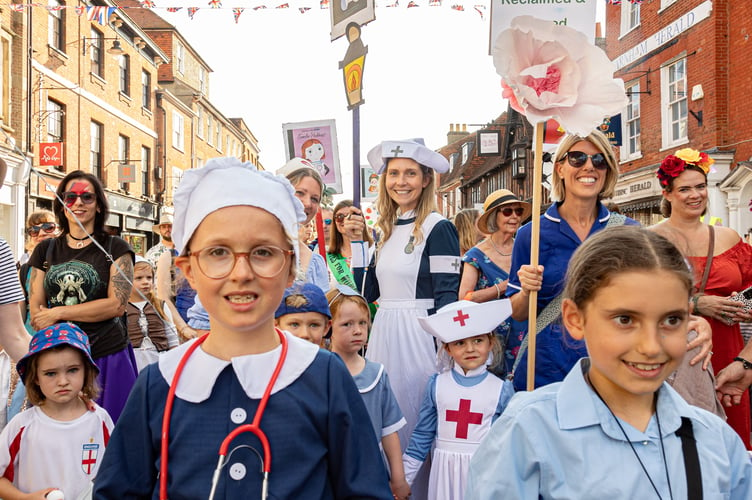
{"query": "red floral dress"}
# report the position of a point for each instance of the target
(730, 272)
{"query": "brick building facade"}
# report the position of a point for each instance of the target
(685, 64)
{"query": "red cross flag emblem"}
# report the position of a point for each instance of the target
(464, 417)
(460, 318)
(89, 457)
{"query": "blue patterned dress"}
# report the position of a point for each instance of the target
(510, 332)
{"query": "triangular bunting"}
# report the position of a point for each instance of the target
(192, 11)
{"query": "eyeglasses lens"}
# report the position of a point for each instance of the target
(47, 227)
(218, 262)
(508, 211)
(69, 198)
(328, 222)
(340, 217)
(579, 158)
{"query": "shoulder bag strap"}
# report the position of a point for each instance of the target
(709, 260)
(48, 254)
(691, 460)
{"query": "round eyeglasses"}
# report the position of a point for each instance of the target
(217, 262)
(577, 159)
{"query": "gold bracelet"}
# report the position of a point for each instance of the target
(498, 291)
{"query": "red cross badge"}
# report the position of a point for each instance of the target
(89, 457)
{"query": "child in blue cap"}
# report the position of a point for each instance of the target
(304, 312)
(58, 443)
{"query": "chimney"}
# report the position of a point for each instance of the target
(456, 132)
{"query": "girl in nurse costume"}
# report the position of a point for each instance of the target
(461, 402)
(415, 269)
(614, 428)
(234, 228)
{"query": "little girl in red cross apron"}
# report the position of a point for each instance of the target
(462, 401)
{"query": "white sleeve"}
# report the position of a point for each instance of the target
(412, 466)
(170, 330)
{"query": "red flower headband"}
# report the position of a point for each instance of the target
(675, 164)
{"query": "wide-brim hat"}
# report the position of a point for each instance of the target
(497, 199)
(414, 149)
(53, 336)
(464, 319)
(166, 217)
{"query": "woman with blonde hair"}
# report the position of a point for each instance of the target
(414, 271)
(40, 226)
(465, 222)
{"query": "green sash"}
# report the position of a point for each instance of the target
(340, 270)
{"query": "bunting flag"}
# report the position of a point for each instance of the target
(395, 4)
(173, 9)
(147, 4)
(412, 4)
(283, 6)
(458, 7)
(54, 8)
(259, 7)
(192, 12)
(434, 3)
(99, 14)
(79, 10)
(236, 11)
(215, 4)
(480, 9)
(613, 2)
(303, 10)
(324, 4)
(17, 7)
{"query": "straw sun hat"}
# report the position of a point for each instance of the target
(495, 200)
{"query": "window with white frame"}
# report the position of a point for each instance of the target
(55, 117)
(56, 24)
(176, 176)
(200, 125)
(209, 129)
(666, 3)
(180, 58)
(178, 133)
(5, 80)
(145, 169)
(124, 154)
(95, 150)
(124, 64)
(95, 48)
(630, 17)
(218, 140)
(145, 89)
(674, 103)
(630, 147)
(202, 79)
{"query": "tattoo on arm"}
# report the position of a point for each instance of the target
(122, 284)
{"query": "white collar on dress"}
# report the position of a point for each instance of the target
(472, 373)
(253, 371)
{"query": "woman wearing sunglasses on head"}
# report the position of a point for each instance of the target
(73, 279)
(485, 268)
(40, 226)
(585, 171)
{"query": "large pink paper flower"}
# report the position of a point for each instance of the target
(554, 72)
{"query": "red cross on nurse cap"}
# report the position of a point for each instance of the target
(415, 149)
(463, 319)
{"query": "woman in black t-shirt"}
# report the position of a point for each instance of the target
(85, 276)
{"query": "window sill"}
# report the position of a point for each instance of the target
(630, 30)
(675, 145)
(97, 80)
(629, 159)
(123, 97)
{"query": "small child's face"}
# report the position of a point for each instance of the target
(143, 279)
(635, 328)
(60, 375)
(470, 353)
(241, 301)
(349, 328)
(310, 326)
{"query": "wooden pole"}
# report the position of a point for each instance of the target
(534, 246)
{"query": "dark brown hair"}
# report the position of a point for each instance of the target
(102, 206)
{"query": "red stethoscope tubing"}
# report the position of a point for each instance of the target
(253, 427)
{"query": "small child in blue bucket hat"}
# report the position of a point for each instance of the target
(58, 443)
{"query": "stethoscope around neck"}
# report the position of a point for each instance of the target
(254, 427)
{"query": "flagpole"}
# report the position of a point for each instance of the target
(534, 247)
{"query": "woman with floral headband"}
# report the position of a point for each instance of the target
(684, 177)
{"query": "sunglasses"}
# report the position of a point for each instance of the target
(328, 222)
(578, 159)
(340, 217)
(508, 211)
(69, 197)
(47, 227)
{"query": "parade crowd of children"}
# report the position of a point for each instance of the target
(296, 393)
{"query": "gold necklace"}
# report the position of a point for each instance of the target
(490, 238)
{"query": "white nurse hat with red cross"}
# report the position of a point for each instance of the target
(463, 319)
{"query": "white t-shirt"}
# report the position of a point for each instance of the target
(38, 452)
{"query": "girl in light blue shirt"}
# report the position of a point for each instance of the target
(613, 428)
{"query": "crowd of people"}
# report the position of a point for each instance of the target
(378, 364)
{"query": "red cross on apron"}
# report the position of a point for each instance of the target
(464, 417)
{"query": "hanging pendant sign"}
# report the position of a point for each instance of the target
(50, 154)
